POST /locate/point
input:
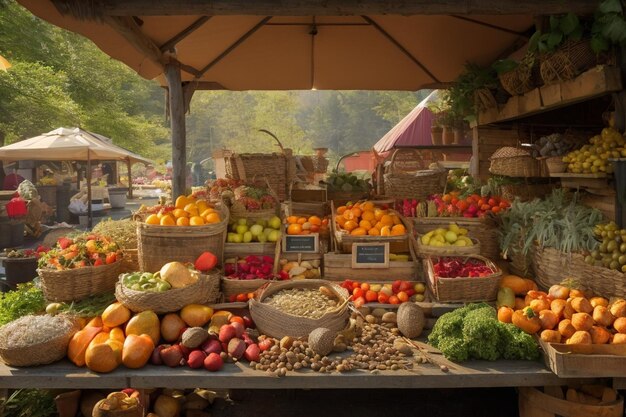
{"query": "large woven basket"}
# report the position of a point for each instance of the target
(513, 162)
(553, 266)
(276, 323)
(525, 192)
(158, 245)
(130, 262)
(519, 80)
(76, 284)
(569, 60)
(273, 166)
(205, 291)
(52, 350)
(483, 229)
(463, 289)
(419, 184)
(232, 286)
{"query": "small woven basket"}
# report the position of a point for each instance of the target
(232, 286)
(43, 353)
(553, 267)
(418, 185)
(513, 162)
(276, 323)
(425, 251)
(463, 289)
(158, 245)
(555, 164)
(571, 59)
(483, 229)
(519, 80)
(75, 284)
(261, 214)
(205, 291)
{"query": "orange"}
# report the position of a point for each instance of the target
(374, 231)
(292, 219)
(179, 213)
(396, 219)
(348, 215)
(301, 220)
(386, 220)
(181, 201)
(350, 225)
(213, 218)
(367, 205)
(364, 224)
(206, 212)
(368, 215)
(378, 225)
(341, 209)
(340, 220)
(357, 212)
(152, 219)
(202, 205)
(315, 220)
(378, 213)
(192, 209)
(294, 229)
(385, 231)
(182, 221)
(359, 231)
(167, 221)
(196, 221)
(398, 230)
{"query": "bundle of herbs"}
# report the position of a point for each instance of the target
(558, 222)
(26, 299)
(122, 232)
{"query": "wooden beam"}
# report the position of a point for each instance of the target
(128, 28)
(184, 33)
(177, 124)
(340, 7)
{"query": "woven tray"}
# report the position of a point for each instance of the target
(42, 353)
(158, 245)
(278, 324)
(205, 291)
(463, 289)
(484, 229)
(76, 284)
(553, 266)
(513, 162)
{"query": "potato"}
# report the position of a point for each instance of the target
(569, 311)
(576, 293)
(581, 305)
(551, 336)
(582, 321)
(618, 308)
(566, 329)
(558, 306)
(602, 316)
(580, 338)
(620, 325)
(599, 335)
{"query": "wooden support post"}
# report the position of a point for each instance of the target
(89, 208)
(130, 180)
(177, 125)
(475, 160)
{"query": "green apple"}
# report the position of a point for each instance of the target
(262, 222)
(247, 237)
(261, 237)
(419, 288)
(274, 223)
(242, 222)
(237, 238)
(230, 237)
(267, 231)
(241, 229)
(274, 236)
(256, 229)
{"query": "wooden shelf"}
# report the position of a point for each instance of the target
(597, 182)
(596, 82)
(439, 147)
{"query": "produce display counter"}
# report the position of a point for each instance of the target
(471, 374)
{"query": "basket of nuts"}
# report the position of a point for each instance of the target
(295, 308)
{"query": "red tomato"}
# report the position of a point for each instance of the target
(314, 228)
(365, 286)
(357, 292)
(394, 300)
(485, 207)
(462, 205)
(492, 202)
(111, 257)
(371, 296)
(454, 201)
(98, 262)
(359, 302)
(383, 298)
(504, 204)
(403, 296)
(480, 202)
(496, 209)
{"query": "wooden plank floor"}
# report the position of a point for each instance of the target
(239, 376)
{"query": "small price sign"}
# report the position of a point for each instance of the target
(370, 255)
(301, 243)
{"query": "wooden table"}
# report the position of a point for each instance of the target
(238, 376)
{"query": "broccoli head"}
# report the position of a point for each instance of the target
(516, 344)
(454, 349)
(482, 334)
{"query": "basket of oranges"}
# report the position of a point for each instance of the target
(368, 221)
(181, 232)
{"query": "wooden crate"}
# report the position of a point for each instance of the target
(338, 267)
(584, 361)
(534, 403)
(241, 250)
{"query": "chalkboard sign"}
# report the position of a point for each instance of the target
(301, 243)
(370, 255)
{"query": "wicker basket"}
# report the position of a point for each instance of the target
(425, 251)
(42, 353)
(521, 79)
(525, 192)
(513, 162)
(262, 214)
(158, 245)
(205, 291)
(418, 184)
(130, 262)
(553, 266)
(555, 164)
(463, 289)
(484, 229)
(273, 166)
(275, 323)
(231, 286)
(76, 284)
(571, 59)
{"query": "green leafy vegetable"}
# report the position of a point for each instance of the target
(26, 299)
(89, 307)
(29, 403)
